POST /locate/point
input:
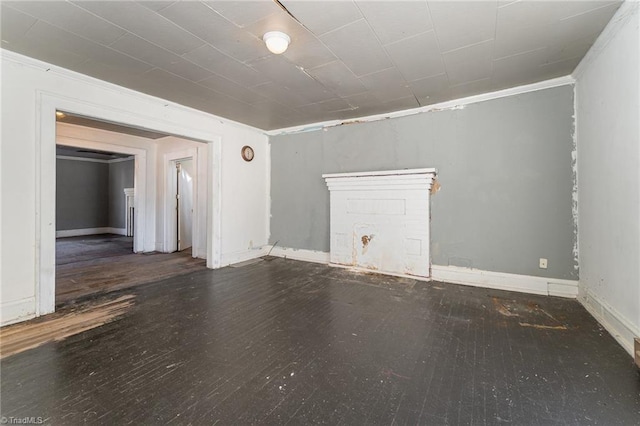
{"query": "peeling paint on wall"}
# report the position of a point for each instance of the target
(435, 187)
(574, 191)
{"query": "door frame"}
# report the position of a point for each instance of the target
(139, 180)
(169, 162)
(45, 177)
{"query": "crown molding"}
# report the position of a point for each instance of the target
(452, 104)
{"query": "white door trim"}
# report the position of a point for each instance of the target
(45, 176)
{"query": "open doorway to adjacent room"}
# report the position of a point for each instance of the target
(104, 176)
(181, 217)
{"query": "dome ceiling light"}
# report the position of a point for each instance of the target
(276, 41)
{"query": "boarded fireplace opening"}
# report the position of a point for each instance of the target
(380, 220)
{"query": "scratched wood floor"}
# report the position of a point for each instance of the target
(94, 264)
(287, 342)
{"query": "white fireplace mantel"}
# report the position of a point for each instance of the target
(380, 220)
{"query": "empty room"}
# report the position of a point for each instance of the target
(384, 212)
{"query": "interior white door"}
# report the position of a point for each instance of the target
(185, 173)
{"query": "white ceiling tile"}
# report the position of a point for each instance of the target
(176, 89)
(392, 105)
(581, 26)
(523, 14)
(144, 23)
(211, 27)
(430, 87)
(471, 88)
(393, 21)
(451, 10)
(50, 54)
(323, 16)
(310, 54)
(417, 57)
(71, 18)
(568, 49)
(274, 109)
(387, 84)
(357, 46)
(280, 94)
(462, 23)
(213, 60)
(14, 24)
(281, 71)
(280, 21)
(559, 68)
(517, 68)
(577, 7)
(108, 72)
(270, 114)
(331, 105)
(53, 37)
(156, 5)
(510, 41)
(229, 88)
(277, 68)
(244, 13)
(469, 63)
(338, 77)
(147, 52)
(434, 99)
(361, 99)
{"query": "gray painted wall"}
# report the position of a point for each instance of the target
(505, 167)
(81, 194)
(120, 177)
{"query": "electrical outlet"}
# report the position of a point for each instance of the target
(543, 263)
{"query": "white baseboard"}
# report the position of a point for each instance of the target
(117, 231)
(202, 253)
(617, 325)
(241, 256)
(17, 311)
(299, 254)
(90, 231)
(504, 281)
(374, 271)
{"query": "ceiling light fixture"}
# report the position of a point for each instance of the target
(276, 41)
(60, 114)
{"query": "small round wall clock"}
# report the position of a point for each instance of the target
(247, 153)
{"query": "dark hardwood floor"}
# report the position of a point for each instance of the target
(282, 341)
(94, 264)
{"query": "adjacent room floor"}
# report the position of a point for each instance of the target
(282, 341)
(94, 264)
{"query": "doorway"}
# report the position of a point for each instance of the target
(182, 196)
(48, 104)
